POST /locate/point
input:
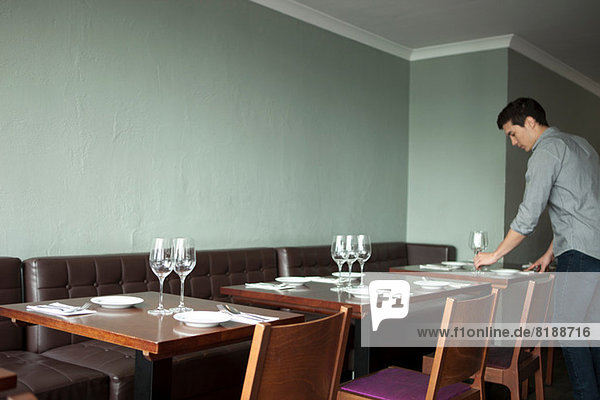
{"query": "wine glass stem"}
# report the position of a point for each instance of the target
(349, 283)
(182, 277)
(339, 280)
(362, 267)
(160, 298)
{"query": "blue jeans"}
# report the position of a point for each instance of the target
(577, 299)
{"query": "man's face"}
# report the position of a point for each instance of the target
(520, 136)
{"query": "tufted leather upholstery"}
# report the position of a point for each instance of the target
(10, 292)
(49, 278)
(317, 261)
(216, 268)
(429, 253)
(47, 378)
(53, 379)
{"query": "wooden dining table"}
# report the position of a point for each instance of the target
(487, 274)
(317, 297)
(156, 339)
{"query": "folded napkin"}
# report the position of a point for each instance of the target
(459, 285)
(270, 286)
(438, 267)
(323, 279)
(246, 318)
(59, 309)
(251, 319)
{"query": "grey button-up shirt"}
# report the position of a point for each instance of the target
(564, 173)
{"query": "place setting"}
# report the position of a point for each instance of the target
(61, 309)
(112, 302)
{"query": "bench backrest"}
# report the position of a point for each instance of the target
(317, 261)
(10, 292)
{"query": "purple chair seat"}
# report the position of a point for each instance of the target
(399, 383)
(499, 357)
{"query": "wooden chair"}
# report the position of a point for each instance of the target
(8, 380)
(451, 366)
(297, 361)
(513, 366)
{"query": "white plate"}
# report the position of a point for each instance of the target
(457, 263)
(431, 284)
(116, 301)
(362, 293)
(506, 271)
(345, 274)
(202, 319)
(293, 280)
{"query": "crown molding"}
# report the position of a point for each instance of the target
(467, 46)
(324, 21)
(553, 64)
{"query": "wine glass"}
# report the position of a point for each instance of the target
(184, 261)
(478, 241)
(162, 265)
(351, 255)
(338, 253)
(364, 253)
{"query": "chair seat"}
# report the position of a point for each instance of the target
(399, 383)
(500, 357)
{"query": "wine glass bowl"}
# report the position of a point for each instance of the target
(478, 241)
(162, 265)
(184, 261)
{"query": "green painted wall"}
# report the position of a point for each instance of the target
(222, 120)
(569, 107)
(456, 155)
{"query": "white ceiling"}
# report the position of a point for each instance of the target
(567, 30)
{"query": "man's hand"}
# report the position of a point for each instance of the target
(482, 259)
(542, 263)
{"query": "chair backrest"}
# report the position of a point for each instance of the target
(536, 309)
(455, 364)
(297, 361)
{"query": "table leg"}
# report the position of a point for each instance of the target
(152, 379)
(362, 355)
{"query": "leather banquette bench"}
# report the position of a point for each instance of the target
(316, 260)
(57, 365)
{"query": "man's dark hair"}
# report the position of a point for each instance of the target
(518, 110)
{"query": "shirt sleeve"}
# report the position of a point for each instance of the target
(542, 170)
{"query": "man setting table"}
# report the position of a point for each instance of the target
(563, 173)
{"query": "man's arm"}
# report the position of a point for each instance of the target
(512, 240)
